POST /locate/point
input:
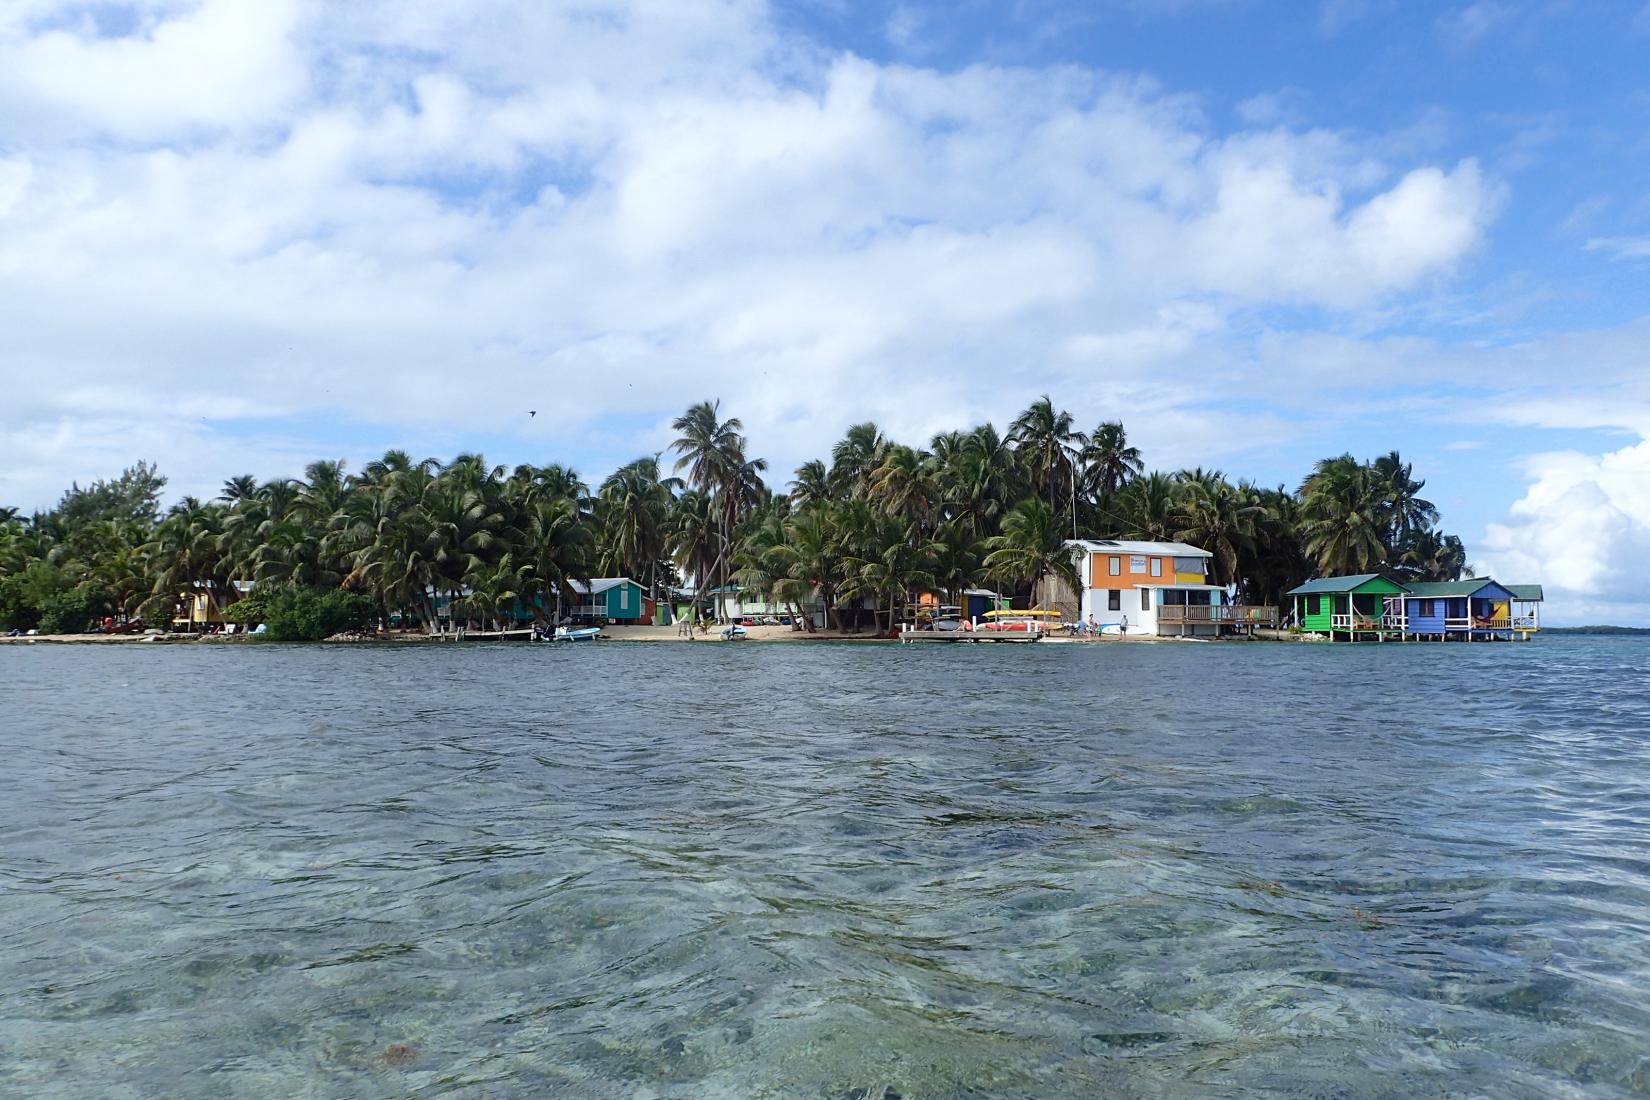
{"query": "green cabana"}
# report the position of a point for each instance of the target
(1366, 605)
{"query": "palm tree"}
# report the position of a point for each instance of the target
(322, 496)
(239, 488)
(556, 550)
(1031, 548)
(465, 529)
(1342, 524)
(1048, 443)
(713, 453)
(693, 535)
(892, 566)
(811, 559)
(980, 480)
(1275, 561)
(186, 556)
(812, 484)
(1430, 556)
(903, 485)
(855, 458)
(957, 559)
(1148, 506)
(493, 588)
(1218, 518)
(396, 564)
(1398, 494)
(633, 509)
(1108, 463)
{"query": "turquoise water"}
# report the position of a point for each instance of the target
(826, 871)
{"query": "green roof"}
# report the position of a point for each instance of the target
(1434, 589)
(1529, 593)
(1343, 585)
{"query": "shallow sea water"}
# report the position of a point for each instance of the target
(828, 871)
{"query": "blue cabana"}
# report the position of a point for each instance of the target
(1474, 607)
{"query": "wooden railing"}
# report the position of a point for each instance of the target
(1371, 623)
(1479, 622)
(1216, 615)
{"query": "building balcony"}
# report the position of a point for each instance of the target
(1216, 615)
(1481, 622)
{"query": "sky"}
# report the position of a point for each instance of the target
(239, 235)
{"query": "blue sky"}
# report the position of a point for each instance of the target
(236, 235)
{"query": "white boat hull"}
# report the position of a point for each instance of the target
(581, 634)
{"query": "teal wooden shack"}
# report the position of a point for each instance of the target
(617, 598)
(1360, 607)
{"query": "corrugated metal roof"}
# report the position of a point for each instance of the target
(1337, 584)
(1125, 546)
(1435, 589)
(599, 585)
(1529, 593)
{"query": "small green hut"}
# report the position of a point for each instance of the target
(1360, 606)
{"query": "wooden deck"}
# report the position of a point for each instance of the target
(909, 637)
(1236, 615)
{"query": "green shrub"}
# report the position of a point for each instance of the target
(248, 610)
(157, 611)
(14, 610)
(310, 614)
(73, 611)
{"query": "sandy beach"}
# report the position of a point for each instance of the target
(609, 633)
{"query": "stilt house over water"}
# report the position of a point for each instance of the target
(1365, 606)
(1476, 605)
(1370, 607)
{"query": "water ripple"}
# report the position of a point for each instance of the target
(826, 871)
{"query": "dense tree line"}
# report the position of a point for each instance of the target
(879, 520)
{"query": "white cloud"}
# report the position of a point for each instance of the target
(224, 64)
(1583, 528)
(1335, 16)
(1466, 25)
(1622, 248)
(293, 211)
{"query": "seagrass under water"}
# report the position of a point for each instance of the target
(826, 871)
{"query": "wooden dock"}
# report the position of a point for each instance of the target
(524, 635)
(908, 637)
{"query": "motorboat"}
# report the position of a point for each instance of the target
(569, 634)
(734, 633)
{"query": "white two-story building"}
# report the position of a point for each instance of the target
(1147, 587)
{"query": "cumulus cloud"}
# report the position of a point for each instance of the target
(269, 217)
(223, 64)
(1584, 528)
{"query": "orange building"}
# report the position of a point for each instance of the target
(1128, 585)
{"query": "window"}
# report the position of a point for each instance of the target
(1427, 609)
(1137, 563)
(1114, 566)
(1157, 567)
(1114, 598)
(1145, 599)
(1314, 605)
